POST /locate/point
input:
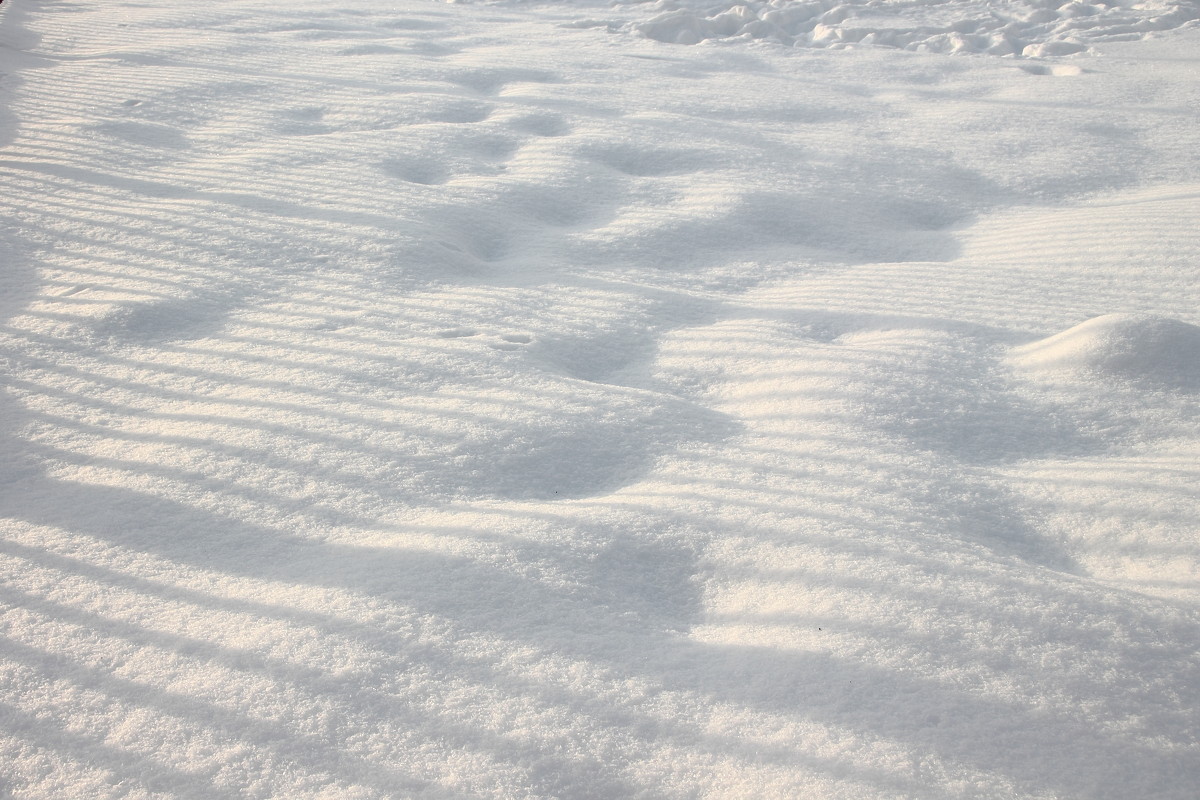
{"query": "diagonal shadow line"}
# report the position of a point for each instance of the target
(159, 190)
(263, 733)
(642, 723)
(154, 775)
(1037, 748)
(711, 670)
(357, 698)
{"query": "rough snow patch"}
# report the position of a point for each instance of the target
(1032, 28)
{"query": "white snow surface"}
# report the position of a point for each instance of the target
(1008, 27)
(424, 400)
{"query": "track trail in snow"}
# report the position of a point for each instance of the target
(408, 400)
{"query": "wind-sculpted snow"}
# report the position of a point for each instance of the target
(1045, 28)
(419, 400)
(1156, 350)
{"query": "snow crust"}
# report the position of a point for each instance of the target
(406, 399)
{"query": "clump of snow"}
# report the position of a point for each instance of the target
(1141, 347)
(1032, 28)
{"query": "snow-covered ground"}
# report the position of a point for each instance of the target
(406, 399)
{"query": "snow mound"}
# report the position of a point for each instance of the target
(1033, 28)
(1155, 349)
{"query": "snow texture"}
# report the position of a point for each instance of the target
(1157, 350)
(1041, 28)
(500, 400)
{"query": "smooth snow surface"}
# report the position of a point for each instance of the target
(424, 400)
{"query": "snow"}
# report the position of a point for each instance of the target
(1157, 350)
(1043, 28)
(407, 399)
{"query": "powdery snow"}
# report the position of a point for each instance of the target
(406, 399)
